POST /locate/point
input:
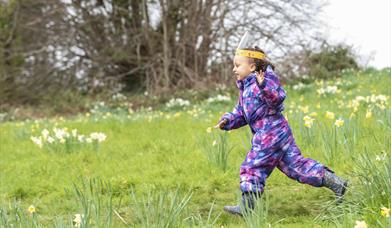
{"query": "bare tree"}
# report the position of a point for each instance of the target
(91, 45)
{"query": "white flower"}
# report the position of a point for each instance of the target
(80, 138)
(377, 100)
(214, 143)
(300, 86)
(45, 133)
(218, 98)
(78, 219)
(361, 224)
(37, 141)
(118, 97)
(60, 133)
(100, 137)
(381, 157)
(328, 90)
(360, 98)
(74, 132)
(174, 102)
(88, 140)
(50, 140)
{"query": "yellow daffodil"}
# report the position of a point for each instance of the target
(304, 109)
(31, 209)
(330, 115)
(368, 114)
(361, 224)
(307, 118)
(209, 130)
(308, 121)
(308, 124)
(385, 212)
(313, 114)
(339, 122)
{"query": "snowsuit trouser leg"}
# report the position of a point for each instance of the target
(304, 170)
(264, 157)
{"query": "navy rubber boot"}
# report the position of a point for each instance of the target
(336, 184)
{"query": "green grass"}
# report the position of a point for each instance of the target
(153, 170)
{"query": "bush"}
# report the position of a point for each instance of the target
(330, 61)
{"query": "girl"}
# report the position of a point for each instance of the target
(260, 105)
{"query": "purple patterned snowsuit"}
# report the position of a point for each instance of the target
(260, 107)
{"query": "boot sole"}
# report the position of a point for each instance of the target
(340, 198)
(232, 212)
(345, 186)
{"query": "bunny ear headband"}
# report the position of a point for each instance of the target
(246, 42)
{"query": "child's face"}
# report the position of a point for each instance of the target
(242, 67)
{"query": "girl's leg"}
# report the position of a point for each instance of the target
(309, 171)
(258, 165)
(304, 170)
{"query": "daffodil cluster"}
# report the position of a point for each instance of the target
(380, 101)
(218, 98)
(301, 86)
(177, 102)
(328, 90)
(61, 136)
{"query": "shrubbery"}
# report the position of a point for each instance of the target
(330, 61)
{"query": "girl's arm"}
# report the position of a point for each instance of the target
(271, 89)
(235, 119)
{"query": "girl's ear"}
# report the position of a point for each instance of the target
(253, 67)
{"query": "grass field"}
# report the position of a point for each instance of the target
(168, 168)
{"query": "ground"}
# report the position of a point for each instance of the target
(169, 168)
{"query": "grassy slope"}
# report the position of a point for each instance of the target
(163, 153)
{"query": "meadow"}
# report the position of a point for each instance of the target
(167, 167)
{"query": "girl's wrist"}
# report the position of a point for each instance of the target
(261, 79)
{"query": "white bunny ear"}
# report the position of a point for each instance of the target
(244, 41)
(248, 41)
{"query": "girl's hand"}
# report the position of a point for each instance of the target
(221, 124)
(260, 77)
